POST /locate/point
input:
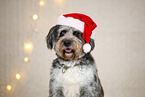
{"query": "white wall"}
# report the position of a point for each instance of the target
(119, 51)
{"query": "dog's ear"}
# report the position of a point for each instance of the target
(51, 37)
(92, 43)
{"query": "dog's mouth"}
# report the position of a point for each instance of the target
(68, 51)
(68, 54)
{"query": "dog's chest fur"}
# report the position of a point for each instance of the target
(73, 78)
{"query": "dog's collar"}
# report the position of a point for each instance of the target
(65, 68)
(81, 57)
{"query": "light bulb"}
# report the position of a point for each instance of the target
(9, 87)
(18, 76)
(26, 59)
(41, 3)
(28, 46)
(59, 1)
(35, 17)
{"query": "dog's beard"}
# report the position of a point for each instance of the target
(69, 53)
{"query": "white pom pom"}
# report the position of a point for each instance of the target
(87, 47)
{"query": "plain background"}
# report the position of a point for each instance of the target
(119, 39)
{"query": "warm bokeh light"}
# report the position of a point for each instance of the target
(35, 17)
(59, 1)
(26, 59)
(9, 87)
(41, 3)
(28, 46)
(18, 76)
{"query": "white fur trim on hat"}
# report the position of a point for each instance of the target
(69, 21)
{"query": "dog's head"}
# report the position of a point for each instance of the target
(67, 42)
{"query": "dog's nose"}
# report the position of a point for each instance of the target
(67, 43)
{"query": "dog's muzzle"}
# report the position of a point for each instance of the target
(68, 49)
(67, 42)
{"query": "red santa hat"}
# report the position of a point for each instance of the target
(81, 22)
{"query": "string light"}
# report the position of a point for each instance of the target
(26, 59)
(9, 87)
(41, 3)
(28, 46)
(59, 1)
(18, 76)
(35, 17)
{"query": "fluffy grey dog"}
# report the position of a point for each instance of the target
(74, 72)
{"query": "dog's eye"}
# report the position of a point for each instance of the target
(76, 33)
(62, 33)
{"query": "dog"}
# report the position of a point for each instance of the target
(73, 72)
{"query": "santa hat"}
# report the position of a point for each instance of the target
(81, 22)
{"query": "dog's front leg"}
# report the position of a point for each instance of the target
(84, 92)
(57, 93)
(54, 90)
(92, 90)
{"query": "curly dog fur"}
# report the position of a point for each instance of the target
(74, 72)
